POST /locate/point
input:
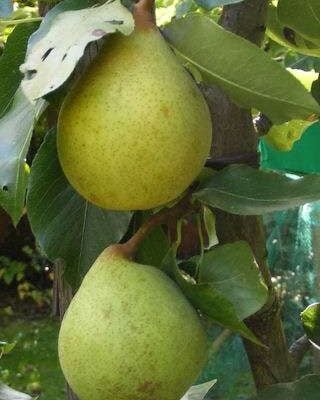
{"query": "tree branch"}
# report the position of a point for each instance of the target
(234, 134)
(182, 209)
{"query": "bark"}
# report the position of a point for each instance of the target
(234, 135)
(62, 296)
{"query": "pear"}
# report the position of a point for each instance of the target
(130, 334)
(135, 130)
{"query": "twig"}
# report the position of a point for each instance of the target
(8, 22)
(183, 208)
(219, 341)
(298, 350)
(219, 163)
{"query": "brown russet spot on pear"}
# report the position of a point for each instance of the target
(130, 333)
(135, 131)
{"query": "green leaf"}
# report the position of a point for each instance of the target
(231, 270)
(287, 37)
(18, 115)
(243, 190)
(16, 129)
(290, 12)
(6, 393)
(65, 224)
(310, 318)
(204, 297)
(6, 347)
(315, 90)
(245, 72)
(154, 248)
(12, 57)
(306, 388)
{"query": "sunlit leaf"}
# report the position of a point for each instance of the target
(245, 72)
(290, 12)
(16, 129)
(310, 318)
(199, 392)
(53, 57)
(10, 61)
(287, 37)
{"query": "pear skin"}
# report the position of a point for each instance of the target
(130, 334)
(135, 131)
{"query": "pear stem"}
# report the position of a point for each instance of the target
(144, 15)
(183, 208)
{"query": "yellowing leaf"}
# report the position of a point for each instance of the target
(283, 137)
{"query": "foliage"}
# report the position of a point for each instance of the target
(254, 79)
(20, 275)
(32, 367)
(278, 94)
(311, 323)
(307, 388)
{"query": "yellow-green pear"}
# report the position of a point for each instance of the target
(135, 131)
(130, 334)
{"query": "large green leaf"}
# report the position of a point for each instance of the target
(206, 298)
(288, 37)
(65, 224)
(16, 129)
(243, 190)
(290, 12)
(310, 318)
(245, 72)
(307, 388)
(12, 57)
(231, 270)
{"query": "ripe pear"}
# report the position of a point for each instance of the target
(130, 334)
(135, 130)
